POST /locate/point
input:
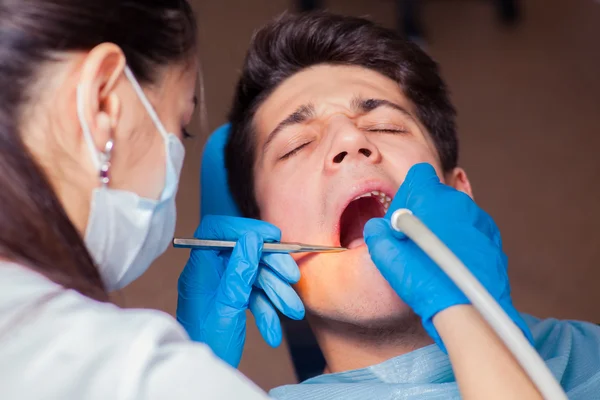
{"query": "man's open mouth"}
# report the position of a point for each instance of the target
(372, 204)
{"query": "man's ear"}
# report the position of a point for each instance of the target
(100, 73)
(458, 179)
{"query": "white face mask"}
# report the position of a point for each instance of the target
(126, 232)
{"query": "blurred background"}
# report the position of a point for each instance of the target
(526, 82)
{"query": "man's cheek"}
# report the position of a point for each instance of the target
(293, 218)
(400, 165)
(296, 230)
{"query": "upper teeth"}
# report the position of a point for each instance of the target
(383, 198)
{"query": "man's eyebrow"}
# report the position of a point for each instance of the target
(302, 114)
(365, 106)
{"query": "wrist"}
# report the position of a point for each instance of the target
(430, 315)
(458, 316)
(451, 322)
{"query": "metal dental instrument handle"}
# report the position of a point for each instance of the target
(404, 221)
(205, 244)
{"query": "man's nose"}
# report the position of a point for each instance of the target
(349, 145)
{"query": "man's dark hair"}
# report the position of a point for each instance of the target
(292, 43)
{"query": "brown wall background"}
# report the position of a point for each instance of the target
(529, 122)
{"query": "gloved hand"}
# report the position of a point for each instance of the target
(216, 287)
(464, 227)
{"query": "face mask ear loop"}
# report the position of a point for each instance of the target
(101, 160)
(87, 135)
(140, 92)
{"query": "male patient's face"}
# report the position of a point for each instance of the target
(349, 132)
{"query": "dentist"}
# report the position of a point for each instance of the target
(95, 97)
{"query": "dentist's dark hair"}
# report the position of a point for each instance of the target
(34, 228)
(292, 43)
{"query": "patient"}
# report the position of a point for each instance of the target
(329, 115)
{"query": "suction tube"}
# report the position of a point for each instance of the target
(404, 221)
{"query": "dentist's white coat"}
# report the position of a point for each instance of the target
(58, 344)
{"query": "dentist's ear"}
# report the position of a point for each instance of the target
(458, 179)
(100, 73)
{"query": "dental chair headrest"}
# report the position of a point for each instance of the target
(215, 197)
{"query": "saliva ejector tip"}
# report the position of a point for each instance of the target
(395, 220)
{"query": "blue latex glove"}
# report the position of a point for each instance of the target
(464, 227)
(216, 287)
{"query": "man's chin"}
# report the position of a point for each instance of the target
(393, 324)
(347, 289)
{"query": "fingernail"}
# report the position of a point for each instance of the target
(292, 268)
(275, 335)
(294, 307)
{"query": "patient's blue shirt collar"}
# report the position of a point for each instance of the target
(571, 349)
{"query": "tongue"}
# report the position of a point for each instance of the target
(354, 218)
